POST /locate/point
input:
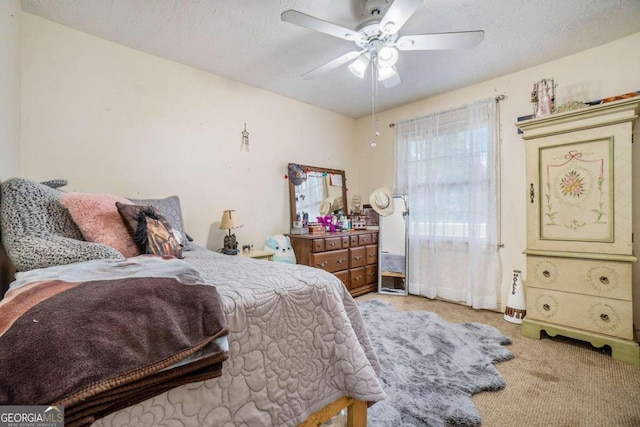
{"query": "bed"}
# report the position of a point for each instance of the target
(288, 347)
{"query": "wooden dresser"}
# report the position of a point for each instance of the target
(351, 256)
(579, 226)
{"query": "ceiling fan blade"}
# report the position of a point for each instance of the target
(460, 40)
(313, 23)
(392, 81)
(332, 64)
(397, 14)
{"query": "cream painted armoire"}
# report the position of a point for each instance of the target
(580, 226)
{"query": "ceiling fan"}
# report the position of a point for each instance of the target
(378, 40)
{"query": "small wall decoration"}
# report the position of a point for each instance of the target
(245, 139)
(543, 97)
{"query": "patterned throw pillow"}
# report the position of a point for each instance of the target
(172, 210)
(150, 230)
(97, 218)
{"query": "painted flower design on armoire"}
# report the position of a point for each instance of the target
(580, 257)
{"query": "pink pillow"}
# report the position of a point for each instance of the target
(98, 219)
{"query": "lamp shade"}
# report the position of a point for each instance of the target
(359, 66)
(387, 56)
(230, 220)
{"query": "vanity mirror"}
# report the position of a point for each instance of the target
(323, 192)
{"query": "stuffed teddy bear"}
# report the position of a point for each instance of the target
(280, 245)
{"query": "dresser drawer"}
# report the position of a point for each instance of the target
(317, 245)
(591, 277)
(331, 261)
(365, 239)
(596, 314)
(345, 242)
(353, 241)
(372, 254)
(357, 257)
(344, 277)
(371, 271)
(358, 277)
(333, 243)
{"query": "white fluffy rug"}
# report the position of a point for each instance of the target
(430, 367)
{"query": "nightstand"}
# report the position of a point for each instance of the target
(257, 254)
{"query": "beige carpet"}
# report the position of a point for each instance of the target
(550, 382)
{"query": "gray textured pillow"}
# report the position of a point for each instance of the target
(171, 209)
(38, 232)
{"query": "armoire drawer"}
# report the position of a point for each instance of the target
(331, 261)
(584, 276)
(590, 313)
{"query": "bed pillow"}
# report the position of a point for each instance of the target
(98, 219)
(38, 232)
(150, 230)
(171, 209)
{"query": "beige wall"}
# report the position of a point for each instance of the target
(9, 89)
(608, 70)
(113, 119)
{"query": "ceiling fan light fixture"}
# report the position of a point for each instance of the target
(387, 56)
(359, 66)
(385, 73)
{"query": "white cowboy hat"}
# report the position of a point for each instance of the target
(382, 201)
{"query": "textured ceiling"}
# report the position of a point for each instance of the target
(245, 40)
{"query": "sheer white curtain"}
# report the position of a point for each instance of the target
(447, 163)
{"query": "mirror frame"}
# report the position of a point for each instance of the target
(405, 214)
(292, 191)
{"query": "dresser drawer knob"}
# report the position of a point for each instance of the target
(323, 264)
(357, 258)
(358, 278)
(546, 274)
(340, 261)
(604, 317)
(332, 244)
(604, 280)
(546, 307)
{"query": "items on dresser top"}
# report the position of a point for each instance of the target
(350, 256)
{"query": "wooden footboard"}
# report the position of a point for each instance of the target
(356, 413)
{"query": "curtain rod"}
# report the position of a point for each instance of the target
(498, 98)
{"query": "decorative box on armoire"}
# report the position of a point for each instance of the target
(580, 226)
(351, 256)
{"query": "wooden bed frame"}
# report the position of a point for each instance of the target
(356, 409)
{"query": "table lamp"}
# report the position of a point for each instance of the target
(230, 220)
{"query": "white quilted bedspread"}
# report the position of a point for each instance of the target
(297, 342)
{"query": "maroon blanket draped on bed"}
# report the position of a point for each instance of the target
(98, 346)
